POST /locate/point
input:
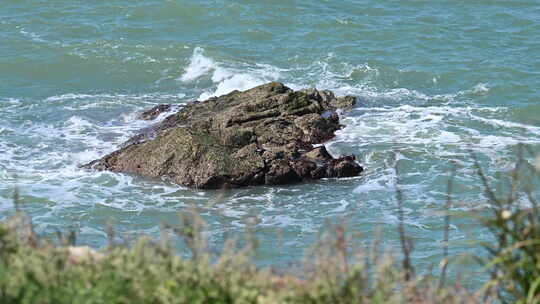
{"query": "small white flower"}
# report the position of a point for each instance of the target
(506, 214)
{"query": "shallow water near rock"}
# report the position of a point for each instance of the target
(433, 80)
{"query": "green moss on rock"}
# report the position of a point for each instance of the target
(254, 137)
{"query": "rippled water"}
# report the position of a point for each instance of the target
(433, 81)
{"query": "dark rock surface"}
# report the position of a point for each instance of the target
(264, 135)
(154, 112)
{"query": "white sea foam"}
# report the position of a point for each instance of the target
(33, 36)
(71, 96)
(9, 100)
(152, 98)
(226, 78)
(339, 77)
(46, 162)
(199, 65)
(376, 182)
(236, 82)
(342, 21)
(480, 88)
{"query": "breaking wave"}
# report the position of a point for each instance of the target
(226, 78)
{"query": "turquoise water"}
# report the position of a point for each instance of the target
(433, 79)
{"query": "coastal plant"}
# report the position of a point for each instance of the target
(514, 221)
(339, 270)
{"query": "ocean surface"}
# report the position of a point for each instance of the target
(434, 80)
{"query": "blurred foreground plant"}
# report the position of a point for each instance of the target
(35, 270)
(515, 224)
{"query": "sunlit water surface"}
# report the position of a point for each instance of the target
(434, 81)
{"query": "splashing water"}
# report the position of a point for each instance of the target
(434, 81)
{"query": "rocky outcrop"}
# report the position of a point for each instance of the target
(262, 136)
(154, 112)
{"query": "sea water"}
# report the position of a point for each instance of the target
(435, 81)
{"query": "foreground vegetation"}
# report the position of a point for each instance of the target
(35, 271)
(38, 270)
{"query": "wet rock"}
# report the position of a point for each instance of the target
(319, 154)
(154, 112)
(343, 167)
(344, 102)
(281, 173)
(304, 168)
(260, 136)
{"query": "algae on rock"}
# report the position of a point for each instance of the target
(264, 135)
